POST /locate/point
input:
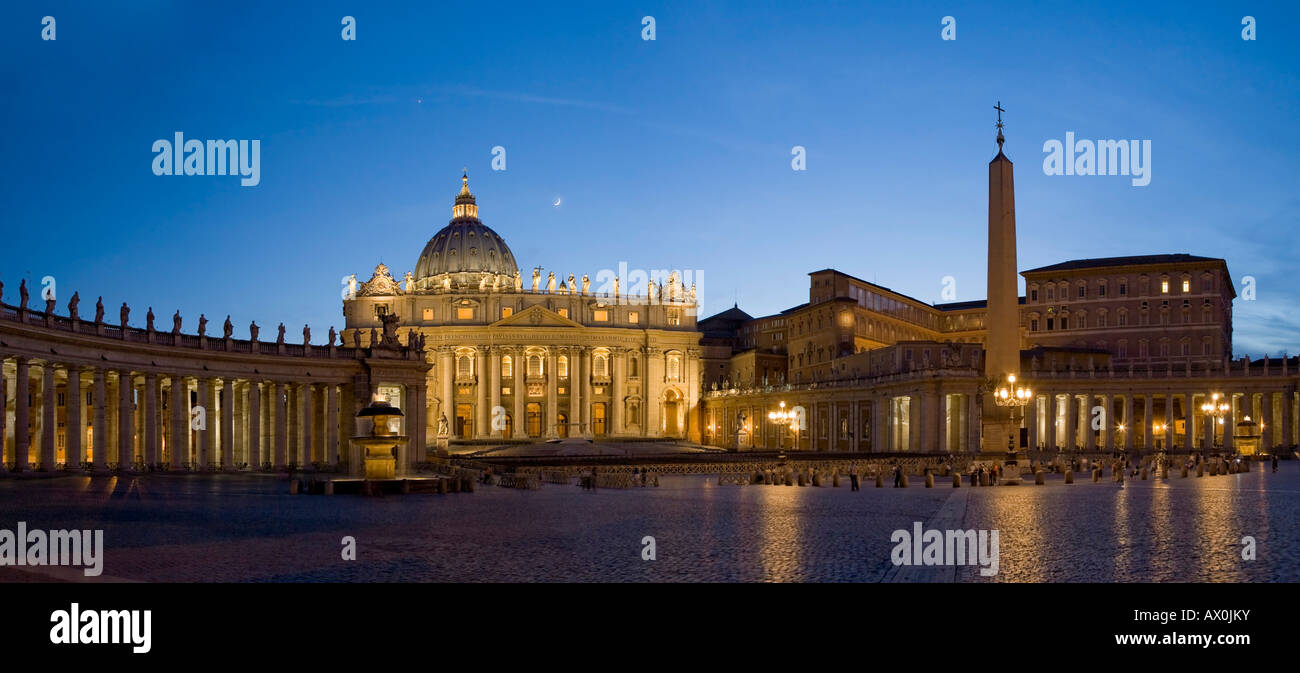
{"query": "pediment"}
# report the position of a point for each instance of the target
(536, 316)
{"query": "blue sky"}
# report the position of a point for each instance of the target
(672, 153)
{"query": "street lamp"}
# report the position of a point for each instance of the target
(1215, 409)
(1159, 429)
(1012, 396)
(783, 417)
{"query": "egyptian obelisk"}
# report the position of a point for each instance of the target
(1002, 340)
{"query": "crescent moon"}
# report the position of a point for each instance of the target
(557, 202)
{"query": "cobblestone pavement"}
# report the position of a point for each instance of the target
(248, 528)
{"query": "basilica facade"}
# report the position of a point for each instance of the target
(543, 357)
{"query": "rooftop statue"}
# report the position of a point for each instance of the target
(72, 306)
(22, 294)
(176, 322)
(99, 310)
(124, 314)
(279, 337)
(227, 329)
(252, 332)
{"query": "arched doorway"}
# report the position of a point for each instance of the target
(464, 420)
(562, 420)
(672, 420)
(509, 430)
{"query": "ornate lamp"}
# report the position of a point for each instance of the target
(784, 417)
(1216, 409)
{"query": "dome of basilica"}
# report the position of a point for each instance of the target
(465, 250)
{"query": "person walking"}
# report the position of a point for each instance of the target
(853, 476)
(1274, 461)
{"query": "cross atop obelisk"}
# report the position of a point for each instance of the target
(1001, 140)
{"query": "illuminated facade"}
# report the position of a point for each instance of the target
(543, 357)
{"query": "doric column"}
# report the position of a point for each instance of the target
(422, 424)
(1108, 422)
(48, 405)
(518, 366)
(178, 443)
(1265, 420)
(975, 422)
(931, 419)
(482, 415)
(331, 424)
(209, 421)
(281, 407)
(1089, 435)
(306, 422)
(494, 390)
(1130, 423)
(552, 394)
(447, 376)
(227, 424)
(575, 392)
(1071, 422)
(72, 454)
(1148, 420)
(255, 459)
(151, 450)
(22, 415)
(1189, 422)
(1169, 419)
(1288, 439)
(880, 425)
(587, 429)
(693, 402)
(126, 418)
(1031, 421)
(239, 407)
(4, 416)
(1050, 425)
(654, 389)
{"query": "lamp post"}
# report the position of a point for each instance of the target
(1215, 409)
(783, 417)
(1009, 395)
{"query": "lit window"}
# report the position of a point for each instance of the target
(507, 311)
(534, 365)
(674, 366)
(562, 367)
(600, 365)
(465, 313)
(507, 366)
(634, 317)
(674, 316)
(464, 365)
(600, 315)
(1187, 285)
(1164, 287)
(428, 314)
(564, 312)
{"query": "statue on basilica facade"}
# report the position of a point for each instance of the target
(333, 334)
(49, 305)
(519, 281)
(22, 295)
(203, 325)
(176, 323)
(356, 338)
(306, 335)
(352, 286)
(586, 284)
(252, 332)
(537, 277)
(148, 319)
(99, 310)
(409, 282)
(550, 283)
(72, 306)
(124, 314)
(446, 284)
(573, 284)
(615, 287)
(227, 329)
(482, 283)
(279, 338)
(650, 291)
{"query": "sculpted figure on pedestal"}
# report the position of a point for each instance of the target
(226, 328)
(537, 277)
(124, 314)
(203, 325)
(550, 283)
(279, 337)
(252, 331)
(72, 306)
(333, 334)
(306, 335)
(176, 322)
(22, 295)
(148, 319)
(99, 310)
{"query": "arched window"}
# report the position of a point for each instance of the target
(464, 366)
(507, 366)
(534, 365)
(562, 367)
(600, 365)
(674, 366)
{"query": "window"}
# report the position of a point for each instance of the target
(507, 311)
(674, 366)
(464, 366)
(600, 365)
(381, 310)
(674, 316)
(465, 313)
(1123, 289)
(427, 314)
(507, 366)
(1101, 290)
(1187, 285)
(633, 367)
(1051, 292)
(534, 365)
(1083, 291)
(600, 315)
(1122, 349)
(564, 312)
(1050, 324)
(1123, 319)
(562, 366)
(633, 317)
(1033, 325)
(1164, 286)
(1033, 294)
